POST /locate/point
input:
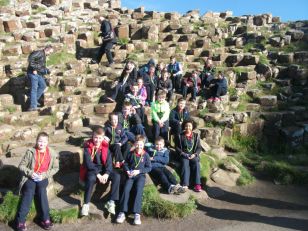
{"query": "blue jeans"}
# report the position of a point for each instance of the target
(38, 86)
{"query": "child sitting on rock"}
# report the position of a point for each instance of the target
(165, 84)
(127, 78)
(97, 167)
(37, 166)
(160, 111)
(118, 139)
(159, 156)
(191, 84)
(136, 165)
(131, 122)
(137, 99)
(177, 116)
(218, 87)
(188, 148)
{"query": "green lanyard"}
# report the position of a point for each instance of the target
(93, 153)
(112, 135)
(136, 100)
(154, 153)
(136, 161)
(192, 146)
(181, 114)
(125, 123)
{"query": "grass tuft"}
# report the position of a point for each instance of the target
(153, 205)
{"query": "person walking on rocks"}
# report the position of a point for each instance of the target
(108, 40)
(97, 167)
(35, 73)
(37, 166)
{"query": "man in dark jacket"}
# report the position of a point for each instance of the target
(36, 70)
(108, 38)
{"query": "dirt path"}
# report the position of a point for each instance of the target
(260, 206)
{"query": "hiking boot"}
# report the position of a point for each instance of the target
(120, 218)
(197, 188)
(137, 220)
(47, 225)
(21, 227)
(85, 210)
(110, 206)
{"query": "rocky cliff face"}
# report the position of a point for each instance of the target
(265, 61)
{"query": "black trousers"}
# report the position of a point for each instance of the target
(161, 131)
(163, 176)
(105, 48)
(217, 91)
(176, 82)
(29, 189)
(91, 181)
(119, 152)
(138, 183)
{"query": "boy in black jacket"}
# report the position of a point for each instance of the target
(131, 122)
(136, 165)
(118, 139)
(159, 156)
(177, 116)
(97, 166)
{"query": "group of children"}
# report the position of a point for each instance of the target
(142, 86)
(122, 142)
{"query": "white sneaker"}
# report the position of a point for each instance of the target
(85, 210)
(110, 206)
(121, 218)
(137, 220)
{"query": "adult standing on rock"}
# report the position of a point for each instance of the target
(108, 39)
(36, 71)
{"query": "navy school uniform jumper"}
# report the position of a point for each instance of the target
(150, 84)
(176, 79)
(132, 126)
(176, 118)
(95, 162)
(117, 135)
(136, 102)
(186, 147)
(159, 172)
(135, 162)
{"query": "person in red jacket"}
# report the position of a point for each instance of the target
(97, 165)
(191, 84)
